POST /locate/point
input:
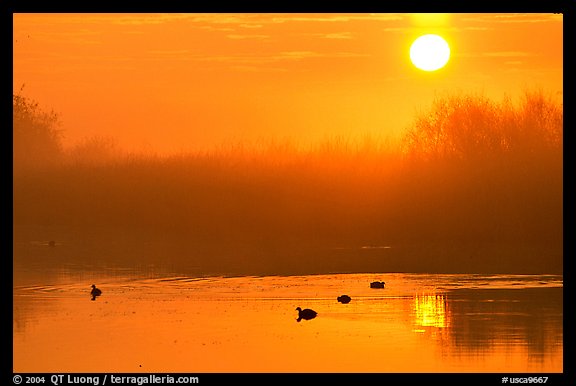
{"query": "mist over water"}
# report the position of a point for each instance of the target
(229, 216)
(474, 186)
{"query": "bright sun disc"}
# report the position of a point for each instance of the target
(430, 52)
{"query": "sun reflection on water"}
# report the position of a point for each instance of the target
(430, 310)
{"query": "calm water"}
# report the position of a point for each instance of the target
(165, 322)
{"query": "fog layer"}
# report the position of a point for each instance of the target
(474, 186)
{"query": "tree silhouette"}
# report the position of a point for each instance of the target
(36, 136)
(473, 127)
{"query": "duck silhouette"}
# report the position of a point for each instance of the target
(95, 292)
(344, 299)
(377, 284)
(305, 314)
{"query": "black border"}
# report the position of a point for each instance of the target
(312, 378)
(365, 6)
(8, 7)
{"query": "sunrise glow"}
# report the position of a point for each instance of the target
(179, 82)
(287, 193)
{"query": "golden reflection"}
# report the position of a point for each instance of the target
(430, 310)
(247, 324)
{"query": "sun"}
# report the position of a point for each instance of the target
(430, 52)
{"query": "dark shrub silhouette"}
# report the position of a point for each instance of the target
(474, 127)
(36, 137)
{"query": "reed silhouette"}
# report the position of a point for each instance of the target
(475, 186)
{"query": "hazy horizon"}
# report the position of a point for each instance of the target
(171, 83)
(487, 198)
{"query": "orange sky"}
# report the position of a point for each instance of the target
(170, 82)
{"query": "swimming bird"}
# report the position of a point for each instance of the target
(344, 299)
(306, 314)
(95, 292)
(52, 243)
(377, 284)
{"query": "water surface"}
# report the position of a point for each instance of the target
(165, 322)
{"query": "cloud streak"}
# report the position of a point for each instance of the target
(248, 36)
(513, 18)
(498, 54)
(284, 56)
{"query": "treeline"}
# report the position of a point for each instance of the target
(475, 186)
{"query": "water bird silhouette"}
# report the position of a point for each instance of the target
(95, 292)
(305, 314)
(344, 299)
(52, 243)
(377, 284)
